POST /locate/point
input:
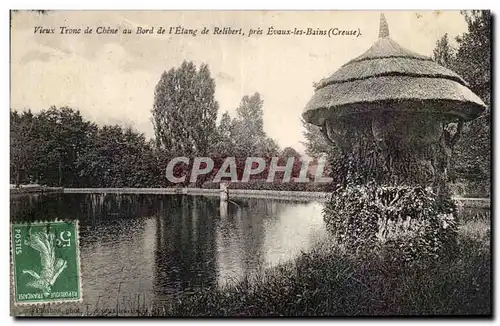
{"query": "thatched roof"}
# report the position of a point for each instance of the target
(389, 77)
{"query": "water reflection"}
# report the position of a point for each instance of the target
(185, 248)
(145, 250)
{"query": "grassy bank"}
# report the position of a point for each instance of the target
(327, 282)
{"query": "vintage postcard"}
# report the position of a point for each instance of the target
(250, 163)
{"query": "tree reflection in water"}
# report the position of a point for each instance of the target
(145, 250)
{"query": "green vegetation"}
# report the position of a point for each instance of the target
(58, 147)
(333, 282)
(428, 265)
(185, 110)
(413, 222)
(470, 58)
(244, 136)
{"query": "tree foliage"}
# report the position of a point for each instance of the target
(185, 111)
(289, 152)
(225, 131)
(57, 147)
(471, 60)
(315, 142)
(412, 221)
(45, 146)
(23, 145)
(119, 157)
(244, 135)
(248, 129)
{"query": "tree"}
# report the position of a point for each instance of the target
(119, 157)
(247, 129)
(24, 147)
(250, 115)
(289, 152)
(57, 147)
(185, 111)
(248, 126)
(63, 136)
(443, 52)
(316, 144)
(243, 136)
(474, 51)
(471, 60)
(225, 142)
(266, 147)
(45, 146)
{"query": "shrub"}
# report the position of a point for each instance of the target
(409, 219)
(327, 282)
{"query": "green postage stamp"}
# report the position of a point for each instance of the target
(46, 262)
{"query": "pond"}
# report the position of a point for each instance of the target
(142, 250)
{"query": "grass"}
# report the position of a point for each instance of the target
(327, 282)
(330, 282)
(476, 226)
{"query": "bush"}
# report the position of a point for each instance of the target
(470, 189)
(328, 282)
(411, 220)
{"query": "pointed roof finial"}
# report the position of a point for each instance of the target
(384, 28)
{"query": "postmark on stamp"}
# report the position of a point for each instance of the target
(46, 262)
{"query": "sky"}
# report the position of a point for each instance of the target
(111, 78)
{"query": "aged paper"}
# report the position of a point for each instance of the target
(198, 152)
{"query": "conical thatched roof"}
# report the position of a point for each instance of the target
(389, 77)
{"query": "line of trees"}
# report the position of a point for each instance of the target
(184, 118)
(58, 147)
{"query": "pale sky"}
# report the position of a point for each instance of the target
(111, 78)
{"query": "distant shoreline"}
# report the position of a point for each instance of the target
(233, 193)
(35, 190)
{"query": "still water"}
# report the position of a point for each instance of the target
(145, 250)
